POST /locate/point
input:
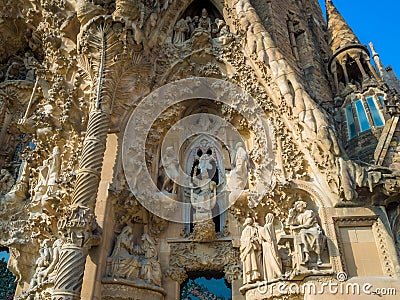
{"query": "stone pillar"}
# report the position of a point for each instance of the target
(346, 75)
(96, 265)
(360, 66)
(377, 60)
(78, 227)
(71, 268)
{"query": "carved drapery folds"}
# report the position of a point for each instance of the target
(291, 255)
(134, 262)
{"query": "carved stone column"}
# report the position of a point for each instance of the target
(371, 68)
(361, 67)
(346, 75)
(72, 262)
(78, 227)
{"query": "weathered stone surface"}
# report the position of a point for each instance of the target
(138, 136)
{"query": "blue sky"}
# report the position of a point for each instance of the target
(376, 22)
(4, 255)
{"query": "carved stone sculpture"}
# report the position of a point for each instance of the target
(138, 263)
(204, 21)
(272, 265)
(42, 263)
(204, 200)
(51, 270)
(124, 262)
(131, 11)
(171, 166)
(181, 31)
(81, 68)
(224, 36)
(19, 190)
(305, 223)
(31, 64)
(250, 252)
(239, 174)
(46, 187)
(151, 269)
(13, 71)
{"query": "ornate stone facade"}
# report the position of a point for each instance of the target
(147, 143)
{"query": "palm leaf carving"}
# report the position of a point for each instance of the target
(114, 73)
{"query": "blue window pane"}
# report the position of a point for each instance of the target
(376, 116)
(351, 126)
(362, 116)
(381, 100)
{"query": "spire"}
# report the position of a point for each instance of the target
(387, 74)
(377, 60)
(339, 32)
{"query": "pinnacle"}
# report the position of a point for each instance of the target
(339, 32)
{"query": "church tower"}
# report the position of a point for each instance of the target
(360, 92)
(192, 149)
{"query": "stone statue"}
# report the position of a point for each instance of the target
(134, 262)
(171, 166)
(205, 21)
(305, 223)
(46, 187)
(54, 165)
(123, 263)
(51, 270)
(19, 190)
(224, 36)
(46, 263)
(194, 24)
(205, 199)
(272, 265)
(130, 11)
(151, 269)
(30, 65)
(13, 71)
(239, 174)
(42, 263)
(250, 251)
(181, 30)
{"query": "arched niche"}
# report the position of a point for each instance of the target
(195, 8)
(198, 148)
(194, 152)
(199, 16)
